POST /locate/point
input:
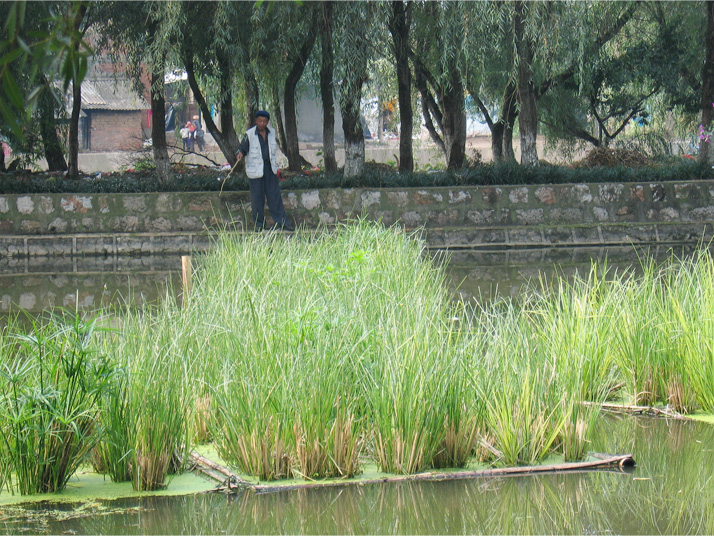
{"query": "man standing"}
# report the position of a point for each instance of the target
(259, 146)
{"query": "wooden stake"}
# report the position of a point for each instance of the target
(186, 276)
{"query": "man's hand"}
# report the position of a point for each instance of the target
(239, 155)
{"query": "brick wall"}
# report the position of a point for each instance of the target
(116, 130)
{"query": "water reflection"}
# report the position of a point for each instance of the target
(668, 493)
(91, 282)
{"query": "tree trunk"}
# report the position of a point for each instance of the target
(429, 106)
(278, 121)
(399, 25)
(73, 168)
(354, 136)
(510, 113)
(291, 134)
(226, 148)
(252, 94)
(158, 134)
(528, 116)
(706, 153)
(327, 67)
(227, 127)
(454, 129)
(48, 131)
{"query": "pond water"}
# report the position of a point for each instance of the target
(89, 283)
(669, 492)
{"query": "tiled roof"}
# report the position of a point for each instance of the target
(111, 95)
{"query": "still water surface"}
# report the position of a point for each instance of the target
(669, 492)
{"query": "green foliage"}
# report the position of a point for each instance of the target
(205, 179)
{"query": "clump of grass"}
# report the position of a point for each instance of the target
(50, 384)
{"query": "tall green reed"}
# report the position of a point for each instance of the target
(147, 415)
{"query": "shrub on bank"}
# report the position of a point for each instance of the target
(374, 176)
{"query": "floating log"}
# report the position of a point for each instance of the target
(637, 410)
(227, 478)
(604, 461)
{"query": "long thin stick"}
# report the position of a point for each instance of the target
(226, 178)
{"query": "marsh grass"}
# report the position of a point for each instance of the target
(299, 355)
(51, 382)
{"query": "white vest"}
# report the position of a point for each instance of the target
(254, 158)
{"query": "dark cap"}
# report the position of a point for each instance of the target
(262, 113)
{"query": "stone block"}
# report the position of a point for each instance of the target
(637, 193)
(518, 195)
(370, 198)
(702, 214)
(11, 246)
(524, 235)
(25, 204)
(202, 242)
(700, 233)
(459, 197)
(610, 193)
(627, 234)
(565, 215)
(491, 195)
(659, 193)
(480, 217)
(546, 195)
(411, 219)
(399, 199)
(310, 200)
(178, 244)
(50, 246)
(99, 245)
(586, 234)
(581, 193)
(533, 216)
(427, 197)
(58, 225)
(601, 214)
(558, 235)
(134, 203)
(76, 203)
(128, 245)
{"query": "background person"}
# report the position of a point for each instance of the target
(260, 147)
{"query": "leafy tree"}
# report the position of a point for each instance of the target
(354, 22)
(327, 87)
(141, 34)
(706, 153)
(400, 26)
(439, 59)
(211, 53)
(42, 42)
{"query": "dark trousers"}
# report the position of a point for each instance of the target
(267, 188)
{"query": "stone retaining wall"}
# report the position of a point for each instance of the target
(473, 216)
